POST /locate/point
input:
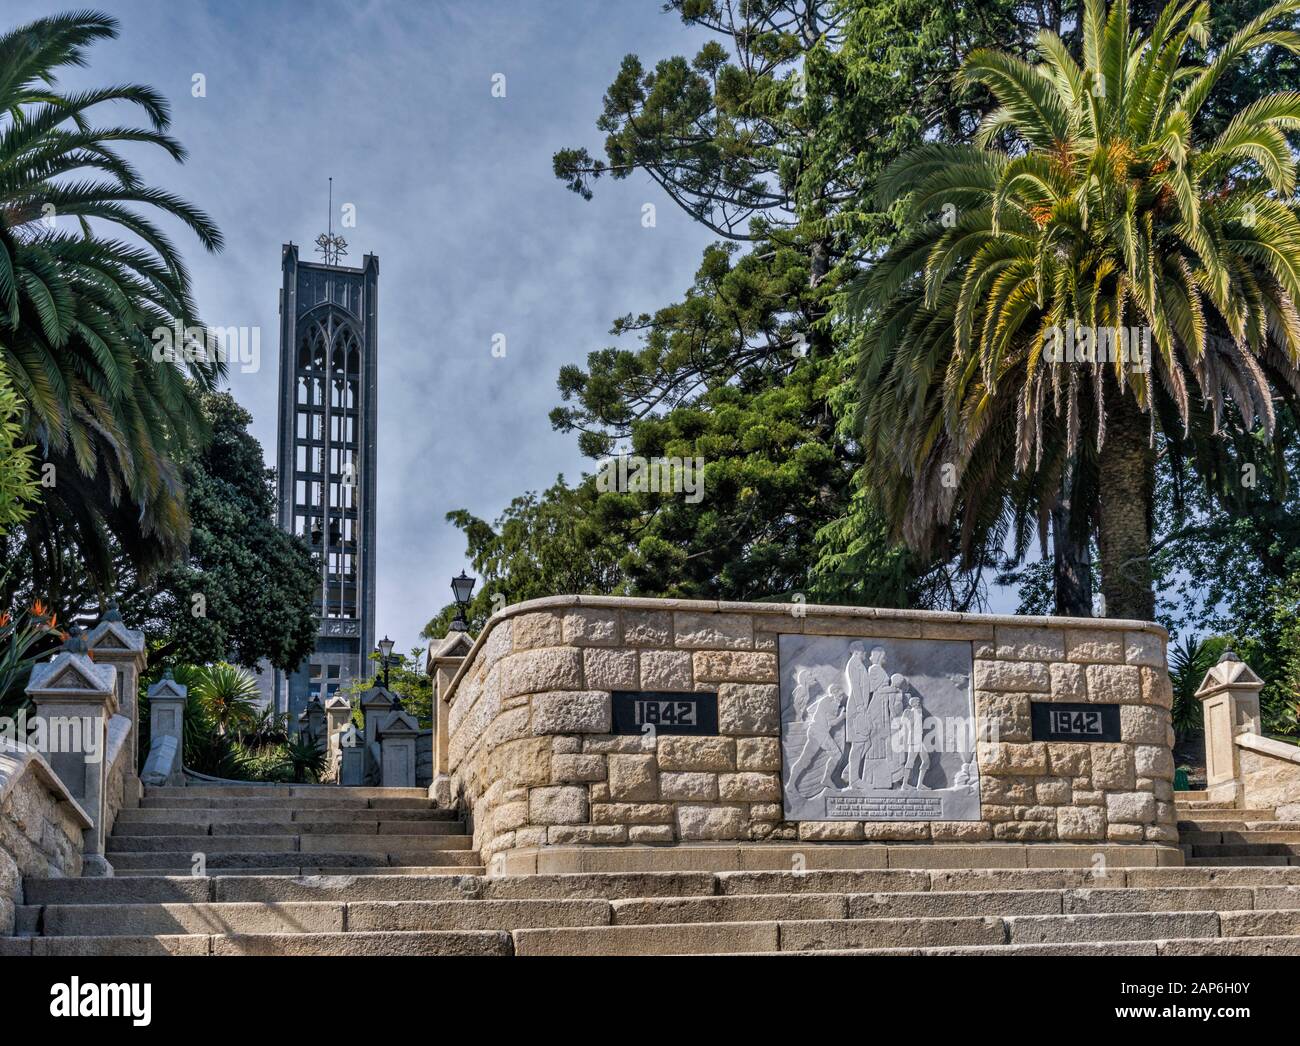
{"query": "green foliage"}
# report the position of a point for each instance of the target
(17, 479)
(23, 634)
(78, 307)
(1189, 659)
(229, 695)
(1090, 198)
(406, 678)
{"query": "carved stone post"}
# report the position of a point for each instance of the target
(311, 722)
(445, 658)
(397, 734)
(165, 763)
(111, 643)
(75, 698)
(1229, 697)
(338, 717)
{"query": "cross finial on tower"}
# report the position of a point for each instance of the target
(328, 245)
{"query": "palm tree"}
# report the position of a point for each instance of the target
(86, 277)
(1085, 203)
(229, 696)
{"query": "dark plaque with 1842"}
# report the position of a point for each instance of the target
(666, 712)
(1060, 721)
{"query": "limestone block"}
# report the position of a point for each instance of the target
(632, 813)
(1008, 714)
(647, 628)
(689, 786)
(624, 744)
(1144, 648)
(1005, 758)
(830, 831)
(523, 762)
(651, 833)
(1114, 683)
(749, 708)
(758, 753)
(510, 725)
(1084, 797)
(697, 753)
(1112, 767)
(572, 712)
(960, 831)
(1130, 808)
(1142, 724)
(765, 812)
(666, 670)
(536, 671)
(1025, 831)
(1068, 682)
(734, 666)
(1068, 760)
(509, 816)
(1160, 833)
(1053, 791)
(1157, 690)
(1025, 676)
(1153, 761)
(749, 787)
(577, 769)
(895, 831)
(1030, 644)
(586, 835)
(606, 669)
(558, 804)
(1091, 646)
(584, 626)
(1080, 822)
(713, 631)
(711, 821)
(536, 630)
(1124, 833)
(633, 777)
(1011, 790)
(563, 744)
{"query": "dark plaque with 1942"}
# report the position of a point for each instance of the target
(1063, 721)
(665, 712)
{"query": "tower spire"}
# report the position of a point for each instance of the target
(331, 247)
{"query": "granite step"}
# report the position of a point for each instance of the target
(438, 942)
(1227, 813)
(1238, 862)
(1233, 851)
(225, 827)
(296, 872)
(281, 815)
(272, 844)
(1245, 837)
(284, 791)
(188, 802)
(180, 861)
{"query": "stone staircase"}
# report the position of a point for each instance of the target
(1219, 834)
(339, 871)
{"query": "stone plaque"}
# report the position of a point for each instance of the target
(1061, 721)
(877, 730)
(665, 711)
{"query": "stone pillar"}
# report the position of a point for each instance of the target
(1229, 697)
(397, 734)
(445, 658)
(75, 698)
(166, 762)
(111, 643)
(338, 717)
(376, 703)
(311, 722)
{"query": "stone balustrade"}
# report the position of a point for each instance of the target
(526, 724)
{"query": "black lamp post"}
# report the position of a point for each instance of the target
(461, 588)
(385, 655)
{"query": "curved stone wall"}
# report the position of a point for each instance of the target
(532, 756)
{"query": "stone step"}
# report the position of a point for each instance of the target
(438, 942)
(1256, 813)
(296, 872)
(273, 844)
(1250, 849)
(187, 802)
(1178, 946)
(1192, 796)
(178, 862)
(245, 827)
(1236, 826)
(286, 791)
(1239, 862)
(281, 815)
(1243, 837)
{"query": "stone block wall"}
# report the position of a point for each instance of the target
(40, 827)
(532, 757)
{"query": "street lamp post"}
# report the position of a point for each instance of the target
(461, 587)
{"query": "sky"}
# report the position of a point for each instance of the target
(452, 188)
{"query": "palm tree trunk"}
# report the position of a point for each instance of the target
(1127, 485)
(1071, 567)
